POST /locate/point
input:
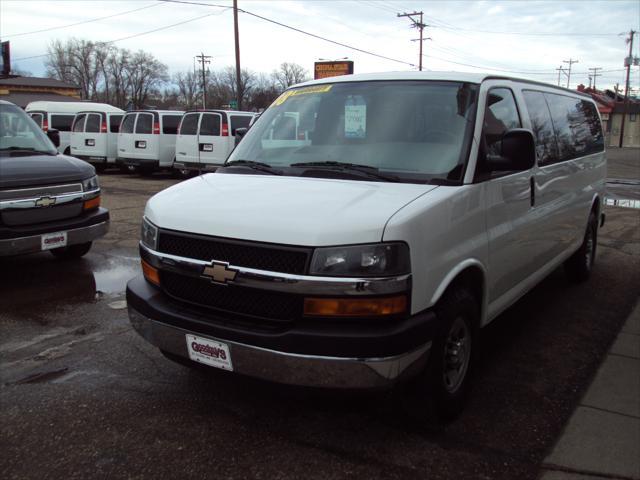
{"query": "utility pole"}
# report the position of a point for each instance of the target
(420, 26)
(237, 39)
(628, 61)
(595, 74)
(560, 70)
(570, 62)
(204, 60)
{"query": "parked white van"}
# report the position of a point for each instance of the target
(207, 137)
(94, 135)
(367, 226)
(59, 115)
(147, 139)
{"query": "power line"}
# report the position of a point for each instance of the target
(134, 35)
(275, 22)
(81, 23)
(550, 34)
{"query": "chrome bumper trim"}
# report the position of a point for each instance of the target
(292, 368)
(31, 244)
(61, 199)
(284, 282)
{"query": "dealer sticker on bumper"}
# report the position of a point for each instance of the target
(209, 352)
(53, 240)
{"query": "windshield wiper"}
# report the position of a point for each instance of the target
(260, 166)
(26, 149)
(355, 167)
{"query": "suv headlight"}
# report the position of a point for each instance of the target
(374, 260)
(90, 184)
(149, 234)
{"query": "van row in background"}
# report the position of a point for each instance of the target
(143, 140)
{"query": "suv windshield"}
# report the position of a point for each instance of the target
(411, 131)
(18, 132)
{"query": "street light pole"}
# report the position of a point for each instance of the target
(237, 40)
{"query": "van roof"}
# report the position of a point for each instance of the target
(436, 76)
(70, 107)
(219, 110)
(147, 110)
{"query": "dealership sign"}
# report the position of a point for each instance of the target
(332, 69)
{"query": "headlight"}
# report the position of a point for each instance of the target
(90, 184)
(378, 259)
(149, 234)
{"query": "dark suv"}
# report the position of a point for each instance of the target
(48, 201)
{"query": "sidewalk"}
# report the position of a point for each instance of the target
(602, 438)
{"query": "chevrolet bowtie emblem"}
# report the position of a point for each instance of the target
(45, 202)
(219, 272)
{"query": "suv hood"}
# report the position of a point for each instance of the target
(31, 170)
(286, 210)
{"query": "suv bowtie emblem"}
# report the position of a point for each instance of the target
(219, 272)
(45, 202)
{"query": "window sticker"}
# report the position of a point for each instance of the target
(355, 118)
(300, 91)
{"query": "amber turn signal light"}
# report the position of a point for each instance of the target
(355, 307)
(91, 204)
(150, 273)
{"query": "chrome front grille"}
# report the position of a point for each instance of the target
(38, 192)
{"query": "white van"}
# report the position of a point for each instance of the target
(94, 135)
(207, 137)
(59, 115)
(367, 226)
(147, 139)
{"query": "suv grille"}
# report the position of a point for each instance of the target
(231, 299)
(238, 253)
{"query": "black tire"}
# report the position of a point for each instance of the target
(146, 172)
(100, 167)
(443, 387)
(579, 266)
(72, 251)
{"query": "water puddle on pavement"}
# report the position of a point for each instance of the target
(113, 273)
(622, 202)
(622, 192)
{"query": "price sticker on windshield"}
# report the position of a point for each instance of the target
(355, 121)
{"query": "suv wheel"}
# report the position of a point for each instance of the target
(72, 251)
(579, 266)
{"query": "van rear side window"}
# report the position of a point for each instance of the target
(239, 121)
(78, 124)
(114, 123)
(93, 123)
(144, 125)
(127, 124)
(210, 124)
(189, 124)
(62, 122)
(37, 117)
(170, 124)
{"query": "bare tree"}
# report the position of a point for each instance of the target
(289, 74)
(188, 89)
(145, 75)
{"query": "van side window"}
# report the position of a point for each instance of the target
(170, 124)
(78, 124)
(546, 148)
(596, 140)
(37, 117)
(239, 121)
(501, 115)
(93, 123)
(62, 122)
(114, 123)
(127, 123)
(189, 124)
(210, 125)
(570, 125)
(144, 125)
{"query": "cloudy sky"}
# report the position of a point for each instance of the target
(522, 38)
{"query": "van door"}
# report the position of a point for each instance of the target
(95, 143)
(212, 145)
(145, 144)
(62, 122)
(77, 134)
(510, 205)
(38, 118)
(167, 139)
(125, 136)
(187, 139)
(113, 123)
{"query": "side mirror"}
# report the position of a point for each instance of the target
(240, 133)
(54, 136)
(518, 152)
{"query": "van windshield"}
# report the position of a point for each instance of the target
(411, 131)
(19, 133)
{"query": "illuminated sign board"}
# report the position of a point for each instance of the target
(5, 58)
(332, 69)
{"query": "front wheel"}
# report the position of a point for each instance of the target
(579, 266)
(72, 251)
(446, 381)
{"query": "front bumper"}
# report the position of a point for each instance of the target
(27, 238)
(318, 353)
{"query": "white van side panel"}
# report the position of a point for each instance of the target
(445, 230)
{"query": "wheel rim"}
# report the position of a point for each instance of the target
(457, 353)
(590, 244)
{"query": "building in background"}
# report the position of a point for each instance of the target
(23, 90)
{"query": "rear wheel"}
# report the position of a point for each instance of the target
(579, 266)
(72, 251)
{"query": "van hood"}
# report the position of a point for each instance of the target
(279, 209)
(20, 170)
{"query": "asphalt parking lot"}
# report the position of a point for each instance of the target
(83, 396)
